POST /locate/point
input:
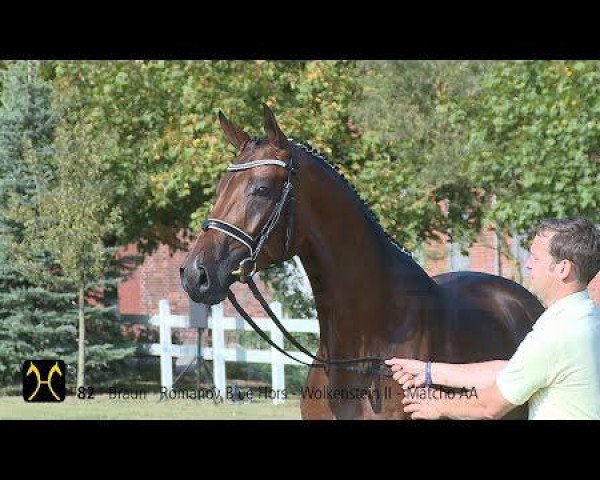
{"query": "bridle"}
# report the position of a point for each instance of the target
(255, 245)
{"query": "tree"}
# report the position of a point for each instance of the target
(70, 220)
(406, 110)
(171, 148)
(534, 143)
(505, 143)
(34, 321)
(172, 151)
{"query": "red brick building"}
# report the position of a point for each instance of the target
(158, 276)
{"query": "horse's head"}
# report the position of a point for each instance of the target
(250, 225)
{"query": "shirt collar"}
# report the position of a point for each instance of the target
(570, 301)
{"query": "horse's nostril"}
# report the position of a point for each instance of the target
(203, 282)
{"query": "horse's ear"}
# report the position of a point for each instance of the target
(274, 133)
(234, 134)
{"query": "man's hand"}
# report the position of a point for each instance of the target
(430, 404)
(407, 372)
(421, 408)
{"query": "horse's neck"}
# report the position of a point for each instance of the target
(359, 279)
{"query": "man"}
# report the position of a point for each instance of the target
(556, 367)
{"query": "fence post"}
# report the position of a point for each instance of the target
(277, 360)
(218, 345)
(166, 362)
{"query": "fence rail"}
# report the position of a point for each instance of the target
(218, 324)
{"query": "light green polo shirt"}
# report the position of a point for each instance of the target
(557, 366)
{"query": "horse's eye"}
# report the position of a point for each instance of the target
(261, 191)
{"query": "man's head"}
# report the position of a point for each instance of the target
(565, 257)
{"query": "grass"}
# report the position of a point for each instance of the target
(104, 408)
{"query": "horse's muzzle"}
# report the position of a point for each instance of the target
(201, 284)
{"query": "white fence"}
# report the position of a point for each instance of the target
(219, 354)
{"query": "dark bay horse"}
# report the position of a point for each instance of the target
(372, 298)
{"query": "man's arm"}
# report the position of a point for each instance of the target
(411, 373)
(486, 404)
(479, 375)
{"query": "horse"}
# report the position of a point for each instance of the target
(372, 298)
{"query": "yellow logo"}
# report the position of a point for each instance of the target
(54, 384)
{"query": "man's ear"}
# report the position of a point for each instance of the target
(234, 134)
(565, 269)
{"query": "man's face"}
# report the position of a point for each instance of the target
(542, 268)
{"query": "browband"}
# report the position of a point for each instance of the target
(256, 163)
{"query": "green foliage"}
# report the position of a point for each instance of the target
(499, 142)
(407, 134)
(26, 115)
(33, 320)
(171, 148)
(534, 140)
(502, 142)
(41, 323)
(388, 126)
(34, 323)
(39, 237)
(69, 222)
(405, 110)
(141, 150)
(72, 215)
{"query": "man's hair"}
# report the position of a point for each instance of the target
(576, 239)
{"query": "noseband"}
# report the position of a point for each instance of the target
(255, 245)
